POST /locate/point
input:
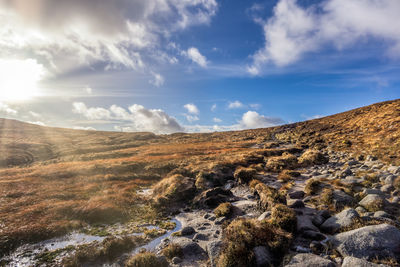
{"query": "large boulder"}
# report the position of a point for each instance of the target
(370, 242)
(213, 197)
(310, 260)
(373, 202)
(339, 221)
(356, 262)
(340, 199)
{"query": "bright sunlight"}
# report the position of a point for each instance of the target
(19, 79)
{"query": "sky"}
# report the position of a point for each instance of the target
(170, 66)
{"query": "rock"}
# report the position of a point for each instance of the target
(373, 202)
(345, 173)
(200, 236)
(340, 220)
(213, 197)
(213, 250)
(382, 214)
(295, 204)
(371, 158)
(176, 260)
(220, 220)
(320, 217)
(313, 235)
(192, 249)
(353, 162)
(396, 200)
(370, 191)
(341, 199)
(361, 210)
(187, 231)
(304, 223)
(389, 180)
(308, 259)
(296, 194)
(370, 242)
(356, 262)
(316, 247)
(264, 216)
(394, 169)
(263, 256)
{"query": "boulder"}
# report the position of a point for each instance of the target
(187, 231)
(343, 219)
(263, 256)
(213, 250)
(213, 197)
(340, 199)
(295, 203)
(308, 259)
(297, 194)
(370, 242)
(356, 262)
(373, 202)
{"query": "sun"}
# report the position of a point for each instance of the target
(19, 79)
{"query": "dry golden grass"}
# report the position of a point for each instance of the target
(53, 180)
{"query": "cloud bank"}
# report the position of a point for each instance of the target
(294, 30)
(136, 119)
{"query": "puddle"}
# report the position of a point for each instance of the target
(25, 255)
(151, 246)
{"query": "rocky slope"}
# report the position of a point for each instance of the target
(324, 192)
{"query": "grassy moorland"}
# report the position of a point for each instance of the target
(54, 180)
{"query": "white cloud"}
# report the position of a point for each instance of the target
(294, 30)
(158, 79)
(194, 55)
(4, 108)
(252, 119)
(235, 104)
(217, 120)
(137, 118)
(84, 128)
(255, 106)
(191, 108)
(88, 90)
(214, 107)
(191, 118)
(91, 113)
(72, 33)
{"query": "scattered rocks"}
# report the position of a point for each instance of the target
(356, 262)
(370, 242)
(308, 259)
(373, 202)
(340, 220)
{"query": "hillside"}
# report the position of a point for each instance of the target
(54, 181)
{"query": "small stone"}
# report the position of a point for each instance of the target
(264, 216)
(382, 214)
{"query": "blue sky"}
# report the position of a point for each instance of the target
(169, 65)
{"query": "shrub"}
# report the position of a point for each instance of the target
(269, 196)
(223, 210)
(173, 189)
(312, 186)
(242, 235)
(203, 181)
(286, 161)
(244, 175)
(327, 196)
(146, 259)
(312, 157)
(172, 250)
(284, 217)
(287, 175)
